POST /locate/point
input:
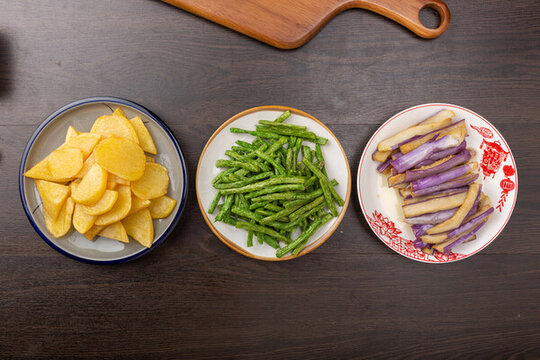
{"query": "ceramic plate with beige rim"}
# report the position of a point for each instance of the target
(337, 167)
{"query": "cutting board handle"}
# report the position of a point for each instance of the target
(407, 13)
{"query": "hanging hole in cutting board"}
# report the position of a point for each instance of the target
(430, 17)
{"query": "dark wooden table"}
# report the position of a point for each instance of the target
(195, 298)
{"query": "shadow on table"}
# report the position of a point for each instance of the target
(6, 66)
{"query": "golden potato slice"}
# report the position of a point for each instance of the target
(41, 171)
(88, 163)
(121, 157)
(138, 204)
(65, 163)
(120, 208)
(53, 196)
(84, 142)
(145, 140)
(115, 231)
(140, 227)
(161, 207)
(115, 125)
(62, 224)
(73, 185)
(150, 159)
(153, 183)
(103, 205)
(94, 230)
(91, 187)
(82, 222)
(111, 185)
(70, 134)
(117, 179)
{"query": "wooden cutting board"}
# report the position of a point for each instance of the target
(288, 24)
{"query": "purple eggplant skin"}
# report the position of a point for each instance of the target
(444, 192)
(431, 134)
(440, 178)
(432, 218)
(475, 206)
(466, 180)
(448, 248)
(442, 154)
(383, 166)
(420, 229)
(458, 159)
(420, 244)
(412, 158)
(471, 223)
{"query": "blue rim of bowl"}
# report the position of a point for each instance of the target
(119, 101)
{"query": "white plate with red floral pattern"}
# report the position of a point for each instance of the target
(381, 205)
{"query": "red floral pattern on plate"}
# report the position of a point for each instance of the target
(492, 158)
(507, 185)
(389, 233)
(484, 131)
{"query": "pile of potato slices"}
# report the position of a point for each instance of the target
(430, 166)
(104, 183)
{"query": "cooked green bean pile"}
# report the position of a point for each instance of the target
(276, 185)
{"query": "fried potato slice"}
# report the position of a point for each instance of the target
(138, 204)
(62, 224)
(103, 205)
(121, 157)
(117, 179)
(70, 134)
(120, 208)
(153, 183)
(53, 196)
(84, 142)
(65, 163)
(115, 231)
(145, 139)
(111, 185)
(88, 163)
(161, 207)
(140, 227)
(115, 125)
(82, 222)
(91, 187)
(94, 230)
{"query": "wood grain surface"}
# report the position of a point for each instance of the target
(193, 297)
(289, 24)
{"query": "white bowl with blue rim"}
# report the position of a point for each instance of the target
(81, 114)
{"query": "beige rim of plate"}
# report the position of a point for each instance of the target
(310, 247)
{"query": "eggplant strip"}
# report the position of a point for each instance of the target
(460, 215)
(413, 144)
(434, 205)
(432, 218)
(439, 166)
(408, 133)
(443, 177)
(457, 182)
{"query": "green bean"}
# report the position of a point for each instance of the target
(306, 234)
(246, 145)
(225, 209)
(282, 125)
(222, 174)
(250, 238)
(320, 158)
(307, 215)
(275, 146)
(269, 241)
(282, 213)
(239, 184)
(261, 229)
(273, 207)
(243, 203)
(275, 189)
(214, 203)
(324, 179)
(288, 196)
(295, 215)
(281, 118)
(258, 205)
(272, 161)
(289, 161)
(262, 134)
(276, 180)
(311, 181)
(236, 164)
(308, 135)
